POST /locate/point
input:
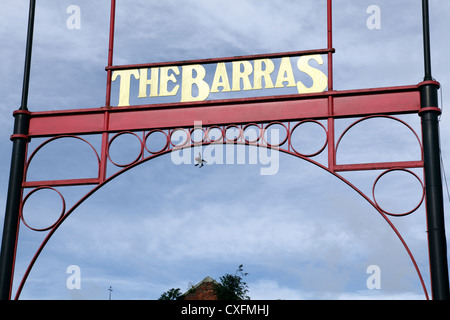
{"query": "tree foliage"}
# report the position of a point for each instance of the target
(172, 294)
(232, 286)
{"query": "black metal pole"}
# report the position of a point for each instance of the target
(437, 244)
(18, 157)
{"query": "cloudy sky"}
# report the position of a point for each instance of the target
(300, 233)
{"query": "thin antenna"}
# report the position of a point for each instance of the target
(110, 290)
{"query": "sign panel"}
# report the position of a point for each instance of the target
(192, 81)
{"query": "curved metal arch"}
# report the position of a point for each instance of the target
(166, 151)
(383, 214)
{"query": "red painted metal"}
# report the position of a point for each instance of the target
(141, 151)
(19, 136)
(189, 143)
(331, 110)
(404, 213)
(289, 111)
(377, 166)
(383, 165)
(61, 183)
(224, 59)
(313, 153)
(110, 52)
(63, 210)
(426, 109)
(349, 103)
(330, 43)
(102, 170)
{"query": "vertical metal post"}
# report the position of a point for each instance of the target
(429, 113)
(105, 135)
(110, 52)
(14, 197)
(330, 120)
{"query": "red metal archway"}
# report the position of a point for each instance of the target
(288, 111)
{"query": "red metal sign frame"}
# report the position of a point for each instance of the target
(288, 111)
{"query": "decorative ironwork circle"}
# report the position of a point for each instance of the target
(283, 141)
(230, 127)
(28, 196)
(314, 153)
(186, 140)
(208, 134)
(258, 135)
(192, 133)
(153, 132)
(398, 214)
(138, 156)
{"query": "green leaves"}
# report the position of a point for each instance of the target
(232, 287)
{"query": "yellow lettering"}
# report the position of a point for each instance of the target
(165, 78)
(124, 91)
(188, 81)
(260, 73)
(221, 79)
(144, 82)
(285, 74)
(320, 81)
(244, 75)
